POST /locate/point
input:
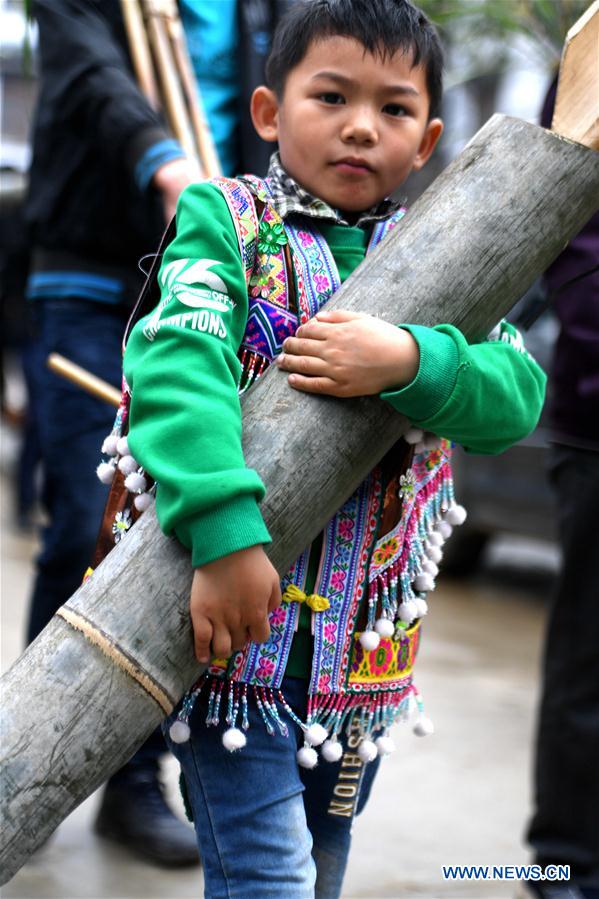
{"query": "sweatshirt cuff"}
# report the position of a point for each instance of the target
(435, 379)
(148, 150)
(226, 529)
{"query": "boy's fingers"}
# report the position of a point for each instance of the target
(221, 643)
(260, 631)
(304, 365)
(202, 635)
(275, 597)
(315, 329)
(316, 385)
(302, 346)
(339, 315)
(239, 638)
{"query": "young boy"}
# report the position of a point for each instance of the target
(353, 96)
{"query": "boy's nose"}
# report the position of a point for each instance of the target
(360, 127)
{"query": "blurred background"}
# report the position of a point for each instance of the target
(462, 796)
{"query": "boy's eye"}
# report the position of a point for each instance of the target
(395, 109)
(332, 98)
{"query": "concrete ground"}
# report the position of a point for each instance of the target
(460, 796)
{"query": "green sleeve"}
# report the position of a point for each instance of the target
(181, 364)
(485, 396)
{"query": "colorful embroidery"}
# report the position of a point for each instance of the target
(347, 541)
(393, 659)
(349, 684)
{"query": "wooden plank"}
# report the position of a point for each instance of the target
(469, 248)
(576, 114)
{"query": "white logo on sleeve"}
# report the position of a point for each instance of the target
(194, 284)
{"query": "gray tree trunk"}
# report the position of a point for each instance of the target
(466, 252)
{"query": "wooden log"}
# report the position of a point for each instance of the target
(470, 247)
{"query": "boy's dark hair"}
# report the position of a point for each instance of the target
(381, 26)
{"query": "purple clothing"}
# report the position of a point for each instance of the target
(575, 370)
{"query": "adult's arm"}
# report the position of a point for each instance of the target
(87, 76)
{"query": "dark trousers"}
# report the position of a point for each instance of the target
(565, 825)
(72, 426)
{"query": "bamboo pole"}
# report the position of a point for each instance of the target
(206, 148)
(83, 378)
(140, 51)
(171, 88)
(95, 683)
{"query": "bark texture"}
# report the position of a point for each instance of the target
(469, 248)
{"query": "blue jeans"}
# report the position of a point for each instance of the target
(266, 827)
(72, 426)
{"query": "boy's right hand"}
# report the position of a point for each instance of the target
(231, 599)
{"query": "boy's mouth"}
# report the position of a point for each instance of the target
(353, 165)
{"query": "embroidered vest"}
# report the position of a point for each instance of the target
(379, 551)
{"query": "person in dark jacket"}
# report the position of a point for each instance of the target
(104, 179)
(564, 829)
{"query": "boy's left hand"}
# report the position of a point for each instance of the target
(349, 354)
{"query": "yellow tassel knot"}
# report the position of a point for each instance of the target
(316, 602)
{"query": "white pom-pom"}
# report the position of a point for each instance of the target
(367, 751)
(122, 446)
(456, 515)
(109, 445)
(445, 529)
(370, 640)
(429, 567)
(105, 472)
(128, 465)
(179, 732)
(421, 607)
(135, 482)
(307, 757)
(385, 745)
(315, 734)
(435, 539)
(234, 739)
(332, 750)
(435, 554)
(407, 611)
(423, 583)
(143, 501)
(384, 627)
(413, 436)
(423, 726)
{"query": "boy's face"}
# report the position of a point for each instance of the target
(351, 127)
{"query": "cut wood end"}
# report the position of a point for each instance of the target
(576, 113)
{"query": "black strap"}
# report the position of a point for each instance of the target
(149, 296)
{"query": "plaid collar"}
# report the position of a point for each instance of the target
(289, 198)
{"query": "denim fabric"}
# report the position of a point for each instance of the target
(72, 427)
(266, 827)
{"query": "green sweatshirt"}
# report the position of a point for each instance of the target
(181, 363)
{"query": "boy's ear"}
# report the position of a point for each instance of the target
(433, 132)
(264, 108)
